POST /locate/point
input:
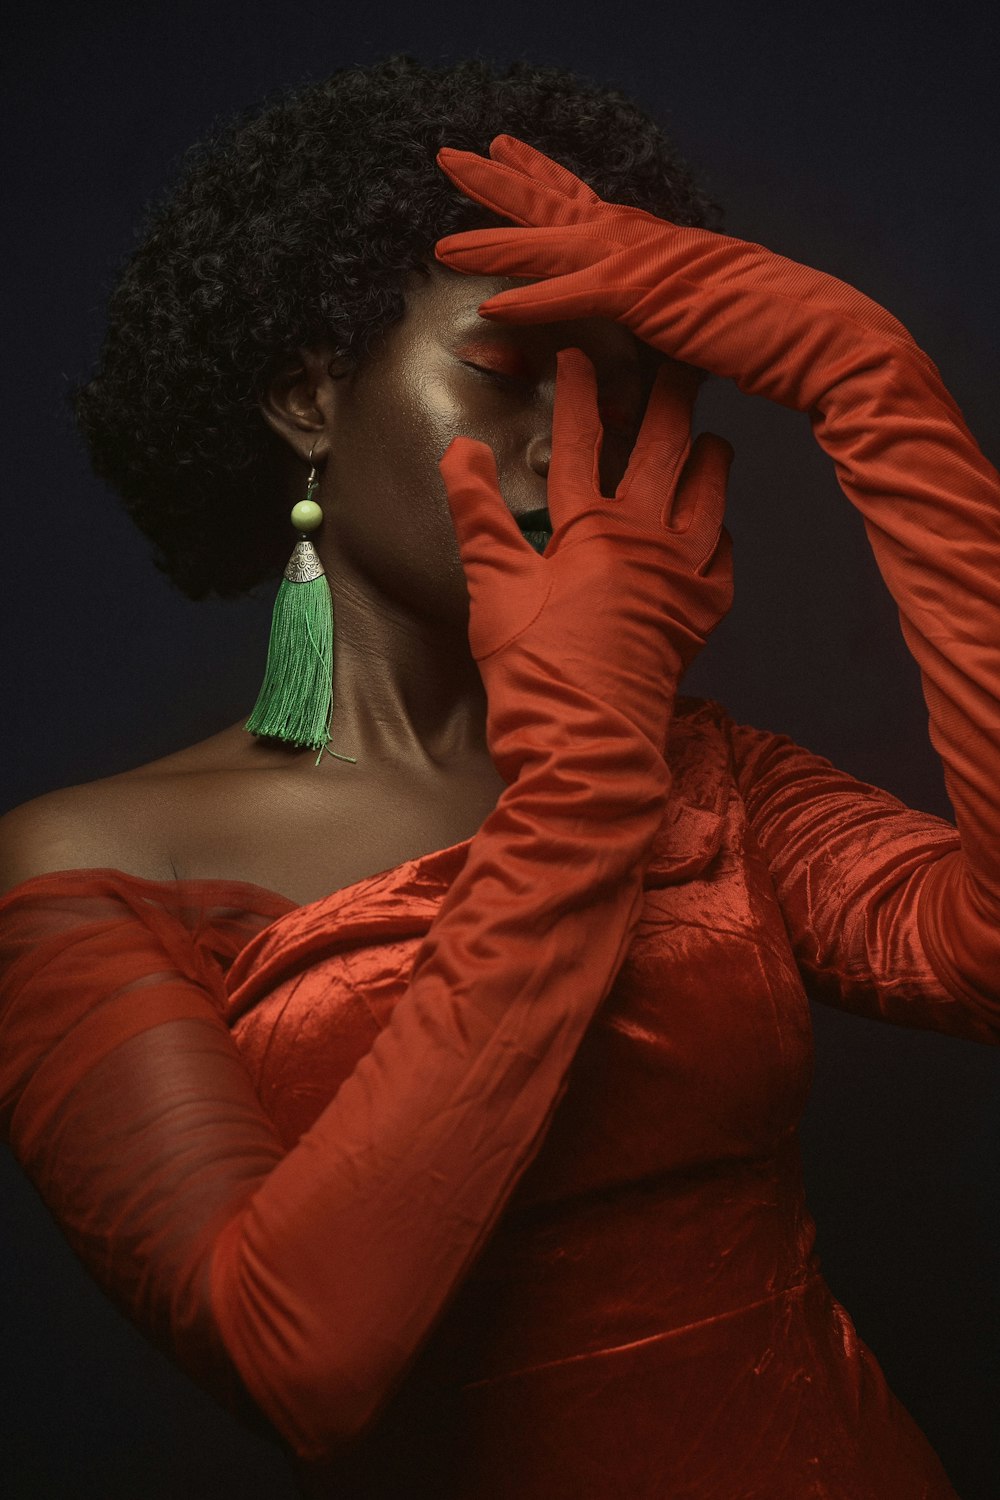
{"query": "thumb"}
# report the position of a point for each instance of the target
(479, 513)
(503, 572)
(700, 499)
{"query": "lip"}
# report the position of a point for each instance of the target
(536, 528)
(535, 520)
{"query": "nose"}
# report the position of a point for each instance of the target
(540, 452)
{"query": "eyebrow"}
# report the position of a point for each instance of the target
(474, 327)
(471, 322)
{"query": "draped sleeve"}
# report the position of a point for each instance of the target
(309, 1277)
(849, 863)
(111, 988)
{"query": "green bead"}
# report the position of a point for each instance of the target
(306, 516)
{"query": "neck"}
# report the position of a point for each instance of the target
(406, 690)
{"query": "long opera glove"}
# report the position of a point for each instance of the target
(903, 456)
(310, 1279)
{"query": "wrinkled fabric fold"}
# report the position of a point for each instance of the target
(648, 1314)
(904, 457)
(480, 1178)
(308, 1274)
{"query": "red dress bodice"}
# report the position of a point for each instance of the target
(648, 1316)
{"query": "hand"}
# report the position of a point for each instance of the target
(628, 587)
(929, 498)
(779, 329)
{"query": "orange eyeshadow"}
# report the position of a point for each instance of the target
(504, 361)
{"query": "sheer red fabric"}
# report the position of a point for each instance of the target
(312, 1275)
(481, 1177)
(648, 1315)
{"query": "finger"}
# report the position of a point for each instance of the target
(590, 293)
(574, 469)
(716, 574)
(502, 189)
(479, 513)
(700, 500)
(719, 568)
(660, 449)
(523, 252)
(524, 158)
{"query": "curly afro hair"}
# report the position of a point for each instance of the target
(296, 226)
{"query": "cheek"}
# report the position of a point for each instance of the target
(392, 520)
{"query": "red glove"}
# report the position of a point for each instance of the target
(317, 1274)
(649, 570)
(904, 457)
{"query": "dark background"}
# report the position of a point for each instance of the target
(860, 140)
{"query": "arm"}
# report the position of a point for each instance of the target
(904, 457)
(313, 1277)
(847, 861)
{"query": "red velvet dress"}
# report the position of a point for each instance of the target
(480, 1178)
(648, 1316)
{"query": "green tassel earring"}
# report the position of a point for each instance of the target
(295, 702)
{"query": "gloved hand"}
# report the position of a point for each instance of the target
(628, 588)
(903, 455)
(779, 329)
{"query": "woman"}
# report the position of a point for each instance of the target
(434, 1100)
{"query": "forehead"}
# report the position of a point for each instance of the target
(446, 303)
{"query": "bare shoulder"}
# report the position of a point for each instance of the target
(231, 808)
(124, 822)
(98, 825)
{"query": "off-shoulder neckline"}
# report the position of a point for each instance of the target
(686, 708)
(217, 884)
(92, 872)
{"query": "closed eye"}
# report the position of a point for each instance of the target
(614, 416)
(502, 377)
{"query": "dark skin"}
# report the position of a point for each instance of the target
(407, 689)
(409, 701)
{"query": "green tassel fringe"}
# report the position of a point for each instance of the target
(295, 702)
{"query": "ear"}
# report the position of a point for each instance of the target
(300, 403)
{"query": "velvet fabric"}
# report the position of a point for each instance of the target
(649, 1315)
(480, 1178)
(307, 1274)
